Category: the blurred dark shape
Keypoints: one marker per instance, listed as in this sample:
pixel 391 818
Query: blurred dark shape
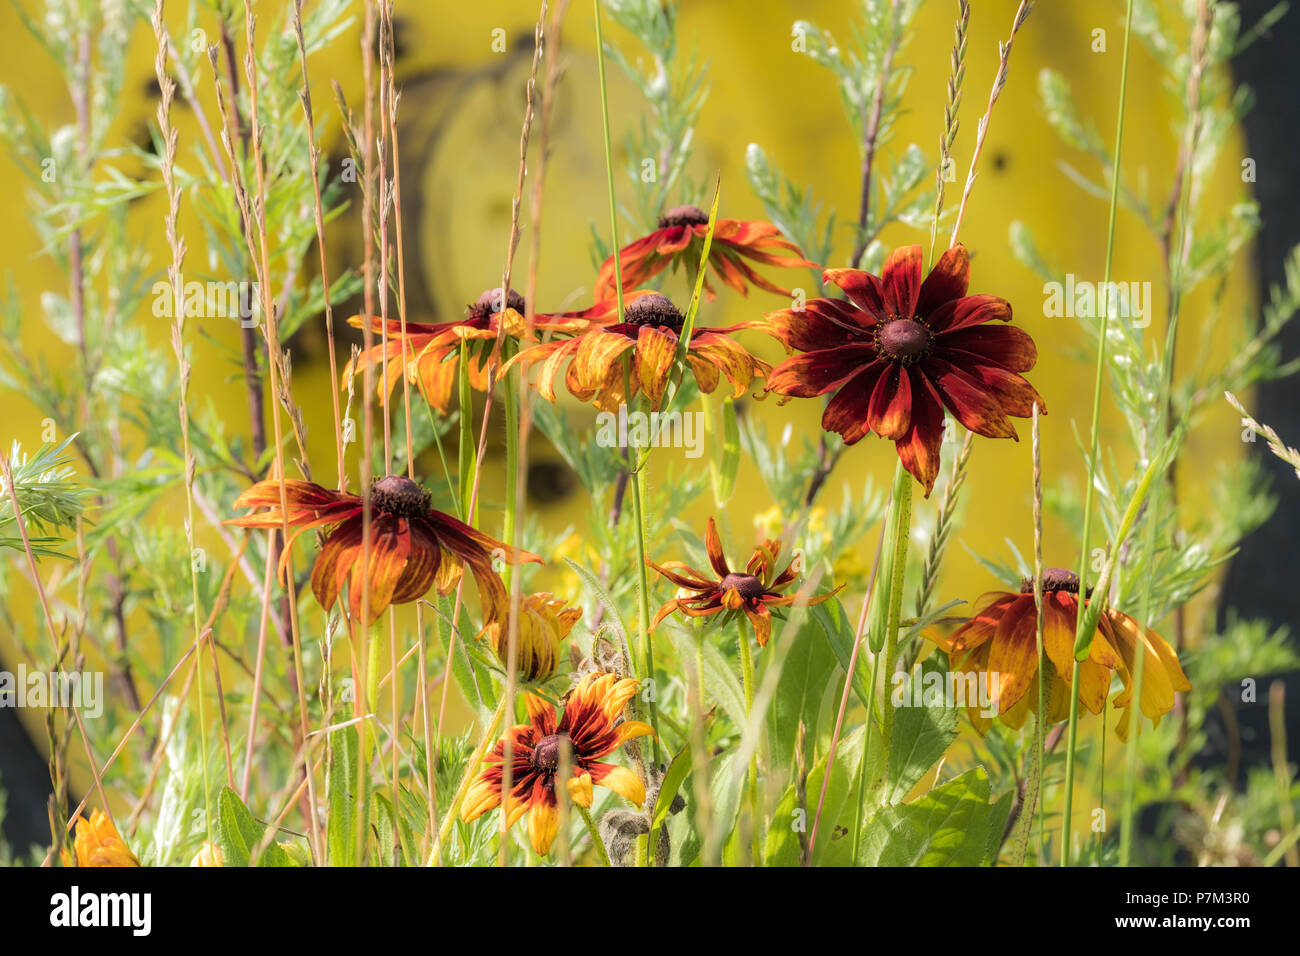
pixel 549 482
pixel 25 780
pixel 1260 582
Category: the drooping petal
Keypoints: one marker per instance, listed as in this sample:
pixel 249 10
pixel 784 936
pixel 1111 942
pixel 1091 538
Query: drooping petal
pixel 655 351
pixel 819 372
pixel 543 819
pixel 1005 345
pixel 969 403
pixel 920 449
pixel 889 412
pixel 1013 656
pixel 619 779
pixel 846 413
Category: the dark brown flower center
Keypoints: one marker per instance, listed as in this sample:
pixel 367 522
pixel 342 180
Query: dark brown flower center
pixel 748 586
pixel 399 496
pixel 546 754
pixel 683 216
pixel 1054 579
pixel 903 340
pixel 490 302
pixel 654 310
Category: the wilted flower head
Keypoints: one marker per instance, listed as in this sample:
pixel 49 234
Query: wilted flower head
pixel 1001 642
pixel 543 623
pixel 97 843
pixel 412 545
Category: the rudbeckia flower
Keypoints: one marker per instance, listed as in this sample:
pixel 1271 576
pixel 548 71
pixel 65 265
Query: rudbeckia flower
pixel 97 843
pixel 650 331
pixel 432 349
pixel 412 546
pixel 901 350
pixel 680 238
pixel 591 728
pixel 1000 642
pixel 543 623
pixel 755 591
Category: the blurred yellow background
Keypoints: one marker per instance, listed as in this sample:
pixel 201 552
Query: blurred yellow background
pixel 461 111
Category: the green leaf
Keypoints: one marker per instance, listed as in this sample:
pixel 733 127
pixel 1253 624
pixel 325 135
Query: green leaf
pixel 791 824
pixel 809 667
pixel 340 784
pixel 724 794
pixel 921 733
pixel 722 683
pixel 239 834
pixel 839 632
pixel 678 770
pixel 602 597
pixel 724 475
pixel 952 825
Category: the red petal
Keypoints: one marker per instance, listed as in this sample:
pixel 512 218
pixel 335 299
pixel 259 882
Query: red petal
pixel 1005 345
pixel 1014 394
pixel 901 281
pixel 965 312
pixel 890 410
pixel 862 287
pixel 846 413
pixel 947 280
pixel 970 403
pixel 816 373
pixel 919 450
pixel 713 544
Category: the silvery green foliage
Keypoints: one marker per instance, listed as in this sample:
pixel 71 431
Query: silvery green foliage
pixel 879 35
pixel 659 145
pixel 1162 566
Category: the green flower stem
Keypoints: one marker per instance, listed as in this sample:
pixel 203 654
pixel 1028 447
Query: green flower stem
pixel 596 841
pixel 1073 733
pixel 859 800
pixel 899 533
pixel 755 810
pixel 511 402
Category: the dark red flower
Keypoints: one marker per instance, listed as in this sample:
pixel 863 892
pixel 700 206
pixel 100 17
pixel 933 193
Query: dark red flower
pixel 900 350
pixel 680 238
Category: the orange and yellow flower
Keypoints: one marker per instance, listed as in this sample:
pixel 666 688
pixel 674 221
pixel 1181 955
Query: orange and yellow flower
pixel 901 350
pixel 97 843
pixel 680 238
pixel 543 623
pixel 755 591
pixel 412 546
pixel 1001 642
pixel 591 728
pixel 432 349
pixel 648 335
